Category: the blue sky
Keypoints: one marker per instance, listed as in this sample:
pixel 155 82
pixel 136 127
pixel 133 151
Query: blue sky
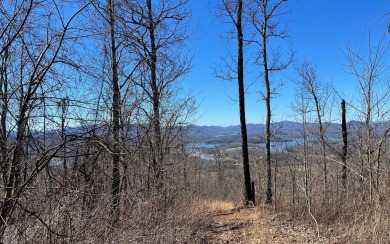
pixel 319 31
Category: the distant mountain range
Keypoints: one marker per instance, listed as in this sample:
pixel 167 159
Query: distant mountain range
pixel 283 131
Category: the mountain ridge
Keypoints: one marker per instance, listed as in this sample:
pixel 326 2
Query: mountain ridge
pixel 283 130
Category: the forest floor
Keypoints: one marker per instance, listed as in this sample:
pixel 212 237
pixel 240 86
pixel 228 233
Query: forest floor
pixel 230 224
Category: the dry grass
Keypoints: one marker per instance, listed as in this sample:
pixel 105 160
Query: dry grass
pixel 218 205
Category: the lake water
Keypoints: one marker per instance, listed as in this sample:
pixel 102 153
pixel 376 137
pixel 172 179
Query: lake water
pixel 275 145
pixel 202 145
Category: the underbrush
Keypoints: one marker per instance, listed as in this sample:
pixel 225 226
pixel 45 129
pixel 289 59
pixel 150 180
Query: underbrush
pixel 341 214
pixel 140 222
pixel 175 214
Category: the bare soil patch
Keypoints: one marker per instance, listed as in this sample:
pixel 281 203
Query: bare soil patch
pixel 231 224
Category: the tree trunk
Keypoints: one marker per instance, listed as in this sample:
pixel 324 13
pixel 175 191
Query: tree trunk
pixel 249 197
pixel 115 116
pixel 4 111
pixel 63 106
pixel 345 143
pixel 268 116
pixel 323 144
pixel 157 156
pixel 13 176
pixel 306 161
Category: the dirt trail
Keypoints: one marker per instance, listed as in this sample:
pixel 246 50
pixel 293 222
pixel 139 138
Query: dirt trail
pixel 256 225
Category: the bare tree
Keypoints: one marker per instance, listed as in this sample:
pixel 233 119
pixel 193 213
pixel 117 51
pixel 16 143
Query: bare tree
pixel 369 70
pixel 233 11
pixel 116 108
pixel 265 17
pixel 159 37
pixel 115 89
pixel 63 105
pixel 4 110
pixel 34 59
pixel 309 83
pixel 301 106
pixel 345 142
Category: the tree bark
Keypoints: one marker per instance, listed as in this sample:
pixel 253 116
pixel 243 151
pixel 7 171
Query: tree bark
pixel 345 143
pixel 268 111
pixel 4 111
pixel 323 144
pixel 249 196
pixel 115 115
pixel 13 176
pixel 157 157
pixel 265 16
